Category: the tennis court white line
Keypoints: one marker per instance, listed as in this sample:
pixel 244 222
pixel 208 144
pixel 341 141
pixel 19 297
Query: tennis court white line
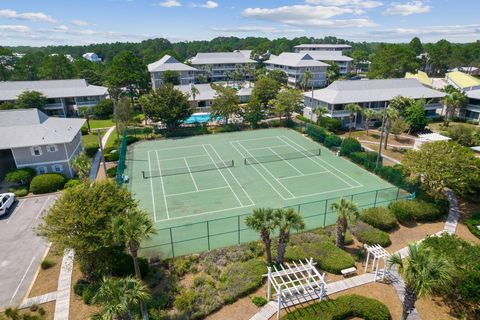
pixel 286 161
pixel 329 191
pixel 231 173
pixel 191 175
pixel 180 147
pixel 303 175
pixel 163 187
pixel 179 158
pixel 325 162
pixel 261 148
pixel 151 188
pixel 198 191
pixel 268 171
pixel 268 182
pixel 208 212
pixel 254 139
pixel 240 202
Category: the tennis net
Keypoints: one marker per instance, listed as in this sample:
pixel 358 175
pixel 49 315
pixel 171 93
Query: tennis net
pixel 189 169
pixel 281 157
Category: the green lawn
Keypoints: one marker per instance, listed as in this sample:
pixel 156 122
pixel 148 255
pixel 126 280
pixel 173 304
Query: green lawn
pixel 438 126
pixel 95 124
pixel 91 138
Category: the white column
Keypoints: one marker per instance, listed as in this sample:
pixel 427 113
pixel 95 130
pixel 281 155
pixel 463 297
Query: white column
pixel 279 307
pixel 269 288
pixel 366 262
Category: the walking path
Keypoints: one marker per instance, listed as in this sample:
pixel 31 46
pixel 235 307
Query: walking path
pixel 62 305
pixel 383 155
pixel 270 308
pixel 98 155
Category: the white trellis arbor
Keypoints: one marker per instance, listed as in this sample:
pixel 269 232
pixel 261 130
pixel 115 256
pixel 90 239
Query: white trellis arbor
pixel 379 254
pixel 296 283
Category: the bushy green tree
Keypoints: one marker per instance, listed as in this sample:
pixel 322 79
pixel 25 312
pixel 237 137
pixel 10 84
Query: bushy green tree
pixel 347 212
pixel 415 116
pixel 287 101
pixel 170 76
pixel 278 75
pixel 226 102
pixel 31 99
pixel 55 67
pixel 263 221
pixel 265 90
pixel 81 164
pixel 393 61
pixel 103 109
pixel 286 220
pixel 253 112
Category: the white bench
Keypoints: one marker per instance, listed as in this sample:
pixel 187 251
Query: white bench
pixel 348 271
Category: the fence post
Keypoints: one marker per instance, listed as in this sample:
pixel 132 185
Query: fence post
pixel 351 198
pixel 375 202
pixel 208 235
pixel 398 193
pixel 171 242
pixel 325 213
pixel 238 228
pixel 298 210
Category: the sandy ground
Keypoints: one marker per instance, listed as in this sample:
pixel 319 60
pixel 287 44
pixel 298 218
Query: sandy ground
pixel 79 310
pixel 406 234
pixel 47 280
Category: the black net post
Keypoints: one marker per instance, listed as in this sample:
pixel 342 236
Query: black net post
pixel 375 202
pixel 238 228
pixel 208 235
pixel 171 242
pixel 325 213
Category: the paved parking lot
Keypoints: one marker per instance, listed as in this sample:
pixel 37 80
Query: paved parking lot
pixel 21 250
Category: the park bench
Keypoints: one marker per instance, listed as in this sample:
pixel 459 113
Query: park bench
pixel 348 271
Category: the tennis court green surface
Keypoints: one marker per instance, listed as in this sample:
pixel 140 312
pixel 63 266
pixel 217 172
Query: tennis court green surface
pixel 199 189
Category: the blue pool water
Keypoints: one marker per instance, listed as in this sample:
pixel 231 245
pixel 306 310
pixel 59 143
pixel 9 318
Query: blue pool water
pixel 198 118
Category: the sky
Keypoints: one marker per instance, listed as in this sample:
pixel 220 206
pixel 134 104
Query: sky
pixel 59 22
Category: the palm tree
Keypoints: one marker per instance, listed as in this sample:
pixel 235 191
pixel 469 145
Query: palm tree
pixel 453 102
pixel 262 221
pixel 423 273
pixel 307 76
pixel 319 112
pixel 286 220
pixel 130 230
pixel 81 165
pixel 368 114
pixel 353 109
pixel 118 296
pixel 194 92
pixel 347 212
pixel 391 115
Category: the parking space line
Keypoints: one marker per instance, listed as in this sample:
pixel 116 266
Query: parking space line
pixel 42 208
pixel 17 208
pixel 23 278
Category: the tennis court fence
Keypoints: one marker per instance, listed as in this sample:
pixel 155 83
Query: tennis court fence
pixel 122 158
pixel 217 233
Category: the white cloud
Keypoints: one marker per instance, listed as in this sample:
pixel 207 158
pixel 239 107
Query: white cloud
pixel 15 28
pixel 170 4
pixel 81 23
pixel 210 5
pixel 257 29
pixel 30 16
pixel 365 4
pixel 309 16
pixel 406 9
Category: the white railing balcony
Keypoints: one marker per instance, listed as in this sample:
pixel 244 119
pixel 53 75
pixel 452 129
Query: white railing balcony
pixel 339 113
pixel 57 105
pixel 473 107
pixel 433 106
pixel 86 103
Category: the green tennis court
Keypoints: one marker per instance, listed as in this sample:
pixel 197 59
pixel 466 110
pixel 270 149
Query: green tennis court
pixel 199 189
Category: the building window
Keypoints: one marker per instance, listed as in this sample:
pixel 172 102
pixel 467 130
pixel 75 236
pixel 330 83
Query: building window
pixel 36 151
pixel 57 168
pixel 42 170
pixel 52 148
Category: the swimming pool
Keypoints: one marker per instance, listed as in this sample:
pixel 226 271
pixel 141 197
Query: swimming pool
pixel 201 117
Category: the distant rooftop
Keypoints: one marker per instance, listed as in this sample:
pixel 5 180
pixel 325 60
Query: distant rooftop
pixel 206 92
pixel 31 127
pixel 473 94
pixel 327 55
pixel 358 91
pixel 323 45
pixel 463 80
pixel 420 76
pixel 10 90
pixel 220 58
pixel 168 62
pixel 295 60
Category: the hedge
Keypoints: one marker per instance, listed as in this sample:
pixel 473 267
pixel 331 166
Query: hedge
pixel 367 234
pixel 395 176
pixel 330 123
pixel 415 210
pixel 380 218
pixel 48 182
pixel 350 145
pixel 22 175
pixel 72 183
pixel 329 257
pixel 111 154
pixel 90 149
pixel 343 307
pixel 473 222
pixel 368 159
pixel 112 172
pixel 316 133
pixel 19 191
pixel 332 141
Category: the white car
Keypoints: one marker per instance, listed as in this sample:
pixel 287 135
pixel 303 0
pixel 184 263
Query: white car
pixel 6 202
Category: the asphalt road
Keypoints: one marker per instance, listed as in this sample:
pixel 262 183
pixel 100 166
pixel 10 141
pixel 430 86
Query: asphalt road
pixel 21 250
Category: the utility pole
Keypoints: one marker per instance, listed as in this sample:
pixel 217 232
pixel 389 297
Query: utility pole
pixel 381 136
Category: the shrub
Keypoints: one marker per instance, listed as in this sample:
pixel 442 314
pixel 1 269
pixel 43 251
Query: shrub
pixel 129 139
pixel 367 234
pixel 316 133
pixel 19 191
pixel 396 176
pixel 89 292
pixel 48 182
pixel 72 183
pixel 350 145
pixel 84 131
pixel 380 218
pixel 472 223
pixel 23 175
pixel 259 301
pixel 90 149
pixel 416 210
pixel 47 264
pixel 103 109
pixel 332 141
pixel 239 279
pixel 80 286
pixel 368 159
pixel 344 307
pixel 328 256
pixel 111 154
pixel 331 124
pixel 112 172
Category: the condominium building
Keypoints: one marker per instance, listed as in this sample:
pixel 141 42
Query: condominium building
pixel 462 81
pixel 323 47
pixel 65 97
pixel 296 64
pixel 185 72
pixel 343 62
pixel 472 110
pixel 374 94
pixel 220 66
pixel 32 139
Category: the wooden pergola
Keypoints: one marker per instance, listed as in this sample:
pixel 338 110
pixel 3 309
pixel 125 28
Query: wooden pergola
pixel 379 254
pixel 295 283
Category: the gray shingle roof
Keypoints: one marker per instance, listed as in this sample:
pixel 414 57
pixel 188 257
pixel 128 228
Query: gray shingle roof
pixel 207 93
pixel 340 46
pixel 220 58
pixel 328 55
pixel 9 90
pixel 296 60
pixel 168 62
pixel 357 91
pixel 31 127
